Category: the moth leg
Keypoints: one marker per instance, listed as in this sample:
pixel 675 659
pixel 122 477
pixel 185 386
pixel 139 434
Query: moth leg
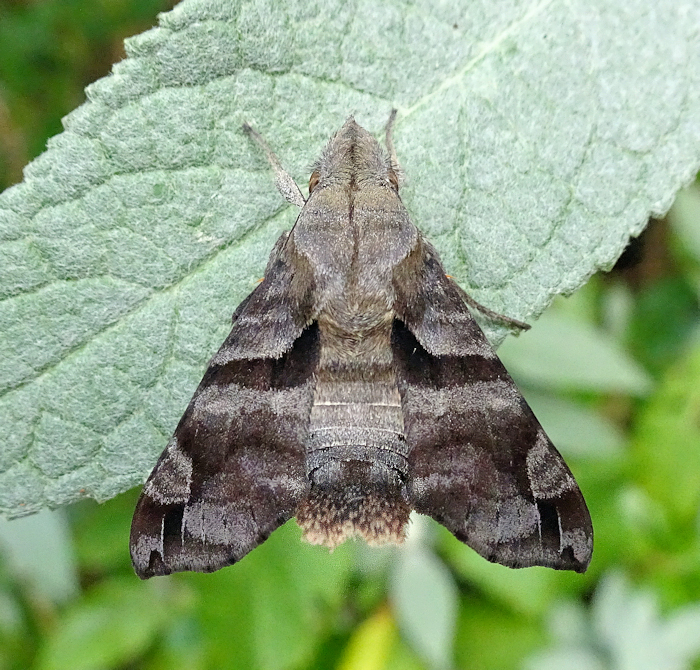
pixel 283 180
pixel 494 316
pixel 389 141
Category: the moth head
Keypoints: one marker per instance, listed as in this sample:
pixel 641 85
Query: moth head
pixel 353 157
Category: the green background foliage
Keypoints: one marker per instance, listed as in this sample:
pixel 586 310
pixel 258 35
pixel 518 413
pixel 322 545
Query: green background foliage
pixel 613 372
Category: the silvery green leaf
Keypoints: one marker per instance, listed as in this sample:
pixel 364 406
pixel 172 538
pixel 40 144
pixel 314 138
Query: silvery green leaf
pixel 536 138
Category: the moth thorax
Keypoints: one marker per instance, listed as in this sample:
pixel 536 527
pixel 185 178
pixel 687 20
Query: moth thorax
pixel 354 498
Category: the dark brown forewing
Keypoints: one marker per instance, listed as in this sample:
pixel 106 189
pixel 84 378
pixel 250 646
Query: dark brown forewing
pixel 480 463
pixel 234 470
pixel 431 305
pixel 269 320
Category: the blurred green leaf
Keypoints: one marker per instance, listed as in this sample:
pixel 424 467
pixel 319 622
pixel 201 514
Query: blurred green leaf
pixel 684 216
pixel 403 657
pixel 665 315
pixel 181 646
pixel 371 643
pixel 16 650
pixel 580 659
pixel 576 430
pixel 567 354
pixel 101 532
pixel 528 592
pixel 111 626
pixel 39 549
pixel 666 440
pixel 424 598
pixel 275 602
pixel 490 638
pixel 625 631
pixel 629 623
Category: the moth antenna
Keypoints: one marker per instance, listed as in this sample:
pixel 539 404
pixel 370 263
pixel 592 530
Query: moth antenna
pixel 389 141
pixel 283 180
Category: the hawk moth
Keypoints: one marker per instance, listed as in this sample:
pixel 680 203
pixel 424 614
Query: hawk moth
pixel 354 387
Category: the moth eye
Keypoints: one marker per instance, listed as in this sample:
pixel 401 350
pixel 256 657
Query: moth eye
pixel 393 178
pixel 313 180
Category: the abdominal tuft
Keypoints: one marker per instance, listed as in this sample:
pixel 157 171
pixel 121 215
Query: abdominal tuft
pixel 332 514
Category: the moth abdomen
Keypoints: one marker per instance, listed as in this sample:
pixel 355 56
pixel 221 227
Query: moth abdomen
pixel 356 459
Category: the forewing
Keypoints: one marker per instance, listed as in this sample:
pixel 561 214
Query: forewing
pixel 431 306
pixel 480 463
pixel 271 318
pixel 234 469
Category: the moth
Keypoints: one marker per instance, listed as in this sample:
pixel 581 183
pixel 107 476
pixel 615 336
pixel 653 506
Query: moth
pixel 354 387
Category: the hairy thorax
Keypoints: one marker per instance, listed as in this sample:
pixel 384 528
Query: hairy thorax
pixel 355 335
